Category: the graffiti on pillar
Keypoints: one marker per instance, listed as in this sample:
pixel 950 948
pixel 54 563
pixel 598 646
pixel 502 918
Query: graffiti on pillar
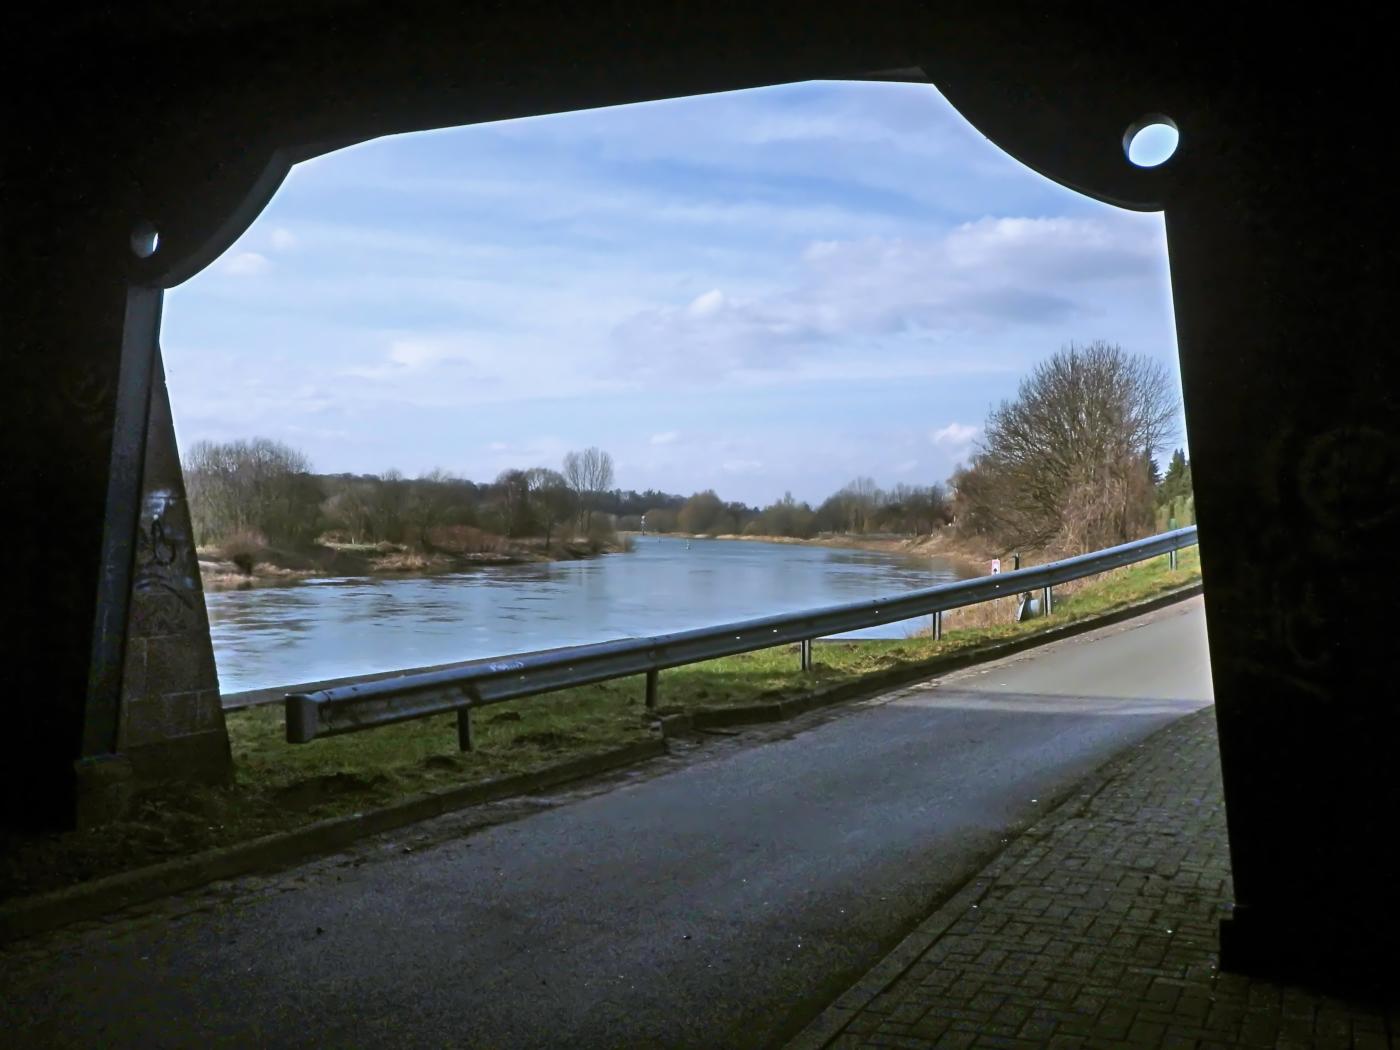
pixel 172 724
pixel 164 589
pixel 88 395
pixel 1349 480
pixel 1329 497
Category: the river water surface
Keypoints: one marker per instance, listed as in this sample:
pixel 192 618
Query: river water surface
pixel 333 628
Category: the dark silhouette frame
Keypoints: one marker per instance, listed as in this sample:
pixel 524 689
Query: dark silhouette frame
pixel 125 120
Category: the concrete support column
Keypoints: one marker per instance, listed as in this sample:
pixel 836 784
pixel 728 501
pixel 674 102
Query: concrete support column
pixel 172 724
pixel 65 319
pixel 97 533
pixel 1283 276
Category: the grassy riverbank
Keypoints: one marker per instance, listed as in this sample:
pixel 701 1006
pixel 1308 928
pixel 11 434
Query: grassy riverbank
pixel 280 786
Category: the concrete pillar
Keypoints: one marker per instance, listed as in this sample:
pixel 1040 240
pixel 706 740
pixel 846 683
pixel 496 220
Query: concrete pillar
pixel 1283 266
pixel 172 725
pixel 87 538
pixel 65 313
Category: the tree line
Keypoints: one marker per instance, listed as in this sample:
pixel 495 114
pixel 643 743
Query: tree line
pixel 858 508
pixel 267 489
pixel 1068 464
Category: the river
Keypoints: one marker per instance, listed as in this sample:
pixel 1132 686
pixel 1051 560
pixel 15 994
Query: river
pixel 332 628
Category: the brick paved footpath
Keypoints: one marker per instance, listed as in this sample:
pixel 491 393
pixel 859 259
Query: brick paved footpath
pixel 1097 928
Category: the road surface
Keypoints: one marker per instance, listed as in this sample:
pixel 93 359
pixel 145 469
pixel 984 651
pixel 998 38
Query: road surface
pixel 719 898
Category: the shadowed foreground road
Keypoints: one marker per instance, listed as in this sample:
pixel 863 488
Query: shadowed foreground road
pixel 718 903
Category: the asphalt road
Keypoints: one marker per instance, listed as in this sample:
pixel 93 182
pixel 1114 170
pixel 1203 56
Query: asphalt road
pixel 719 899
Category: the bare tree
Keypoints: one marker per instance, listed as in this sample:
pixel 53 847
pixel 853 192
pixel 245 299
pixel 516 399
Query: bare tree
pixel 701 514
pixel 552 498
pixel 863 498
pixel 392 506
pixel 1068 461
pixel 785 517
pixel 853 507
pixel 257 485
pixel 916 509
pixel 588 473
pixel 574 477
pixel 351 505
pixel 516 508
pixel 428 502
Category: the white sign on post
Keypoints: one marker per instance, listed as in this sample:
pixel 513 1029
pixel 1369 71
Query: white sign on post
pixel 996 566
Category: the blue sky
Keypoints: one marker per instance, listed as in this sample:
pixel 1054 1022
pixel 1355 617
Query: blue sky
pixel 757 291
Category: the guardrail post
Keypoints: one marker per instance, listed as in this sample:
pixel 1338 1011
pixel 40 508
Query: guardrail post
pixel 464 729
pixel 301 719
pixel 938 626
pixel 1171 560
pixel 653 682
pixel 1049 603
pixel 804 652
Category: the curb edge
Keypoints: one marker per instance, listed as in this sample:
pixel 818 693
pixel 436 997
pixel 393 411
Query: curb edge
pixel 32 915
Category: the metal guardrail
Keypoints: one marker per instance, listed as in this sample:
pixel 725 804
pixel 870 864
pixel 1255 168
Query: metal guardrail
pixel 366 705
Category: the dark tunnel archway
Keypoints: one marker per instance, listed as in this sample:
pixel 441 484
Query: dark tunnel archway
pixel 1281 257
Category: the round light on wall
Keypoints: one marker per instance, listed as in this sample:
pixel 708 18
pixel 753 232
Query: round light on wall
pixel 1151 141
pixel 145 239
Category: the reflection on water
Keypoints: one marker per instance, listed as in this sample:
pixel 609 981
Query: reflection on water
pixel 339 627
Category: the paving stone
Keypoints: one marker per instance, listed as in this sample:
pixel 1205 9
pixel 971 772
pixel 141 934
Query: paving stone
pixel 1098 928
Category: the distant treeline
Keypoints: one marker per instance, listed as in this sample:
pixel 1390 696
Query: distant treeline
pixel 264 488
pixel 859 508
pixel 1069 464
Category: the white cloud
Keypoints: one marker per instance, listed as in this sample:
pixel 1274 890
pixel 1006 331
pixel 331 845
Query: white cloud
pixel 581 202
pixel 665 438
pixel 283 239
pixel 246 264
pixel 415 354
pixel 705 305
pixel 954 435
pixel 905 467
pixel 742 466
pixel 1057 249
pixel 406 357
pixel 980 280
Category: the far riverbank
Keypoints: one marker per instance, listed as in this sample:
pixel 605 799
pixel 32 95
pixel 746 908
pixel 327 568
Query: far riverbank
pixel 943 544
pixel 273 566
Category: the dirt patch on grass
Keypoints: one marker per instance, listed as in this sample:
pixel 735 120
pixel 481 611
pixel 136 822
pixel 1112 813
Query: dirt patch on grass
pixel 548 740
pixel 306 794
pixel 451 762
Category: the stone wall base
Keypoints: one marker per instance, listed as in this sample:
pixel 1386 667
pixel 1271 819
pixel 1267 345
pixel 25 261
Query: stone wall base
pixel 103 789
pixel 200 758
